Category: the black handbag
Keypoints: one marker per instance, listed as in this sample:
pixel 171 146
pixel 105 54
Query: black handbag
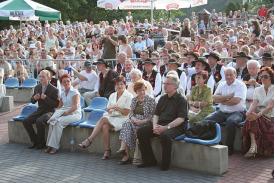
pixel 204 131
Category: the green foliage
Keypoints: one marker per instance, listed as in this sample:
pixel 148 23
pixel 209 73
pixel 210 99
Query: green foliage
pixel 87 9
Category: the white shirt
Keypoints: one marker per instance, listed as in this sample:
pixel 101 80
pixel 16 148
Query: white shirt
pixel 139 46
pixel 239 90
pixel 264 99
pixel 149 43
pixel 157 88
pixel 92 82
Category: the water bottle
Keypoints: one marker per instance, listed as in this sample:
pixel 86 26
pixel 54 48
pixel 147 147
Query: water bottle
pixel 72 144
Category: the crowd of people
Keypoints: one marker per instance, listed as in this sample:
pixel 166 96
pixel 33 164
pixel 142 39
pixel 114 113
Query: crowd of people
pixel 159 79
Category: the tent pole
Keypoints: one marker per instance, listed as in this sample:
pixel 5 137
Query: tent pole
pixel 152 12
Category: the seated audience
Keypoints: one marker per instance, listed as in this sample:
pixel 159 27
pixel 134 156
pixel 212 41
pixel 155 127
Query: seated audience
pixel 268 60
pixel 230 95
pixel 169 121
pixel 136 76
pixel 200 100
pixel 68 111
pixel 258 131
pixel 47 97
pixel 151 75
pixel 251 80
pixel 117 113
pixel 128 68
pixel 87 80
pixel 106 84
pixel 142 110
pixel 20 72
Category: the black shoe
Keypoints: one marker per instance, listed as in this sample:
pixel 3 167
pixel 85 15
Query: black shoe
pixel 33 146
pixel 164 168
pixel 38 147
pixel 145 165
pixel 128 161
pixel 230 152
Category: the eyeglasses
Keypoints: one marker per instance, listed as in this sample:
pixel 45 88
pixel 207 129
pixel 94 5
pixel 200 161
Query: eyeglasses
pixel 167 83
pixel 264 77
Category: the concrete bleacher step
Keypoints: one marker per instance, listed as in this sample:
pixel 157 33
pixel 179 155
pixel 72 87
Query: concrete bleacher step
pixel 207 159
pixel 7 104
pixel 20 94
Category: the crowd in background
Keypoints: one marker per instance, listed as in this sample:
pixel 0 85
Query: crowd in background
pixel 223 59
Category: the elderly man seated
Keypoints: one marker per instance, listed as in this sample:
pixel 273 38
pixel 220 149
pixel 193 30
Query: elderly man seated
pixel 230 95
pixel 169 121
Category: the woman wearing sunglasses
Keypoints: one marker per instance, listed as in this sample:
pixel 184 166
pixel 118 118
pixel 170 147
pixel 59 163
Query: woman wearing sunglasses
pixel 259 126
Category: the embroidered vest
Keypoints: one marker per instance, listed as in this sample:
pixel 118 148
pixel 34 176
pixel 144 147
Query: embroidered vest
pixel 152 77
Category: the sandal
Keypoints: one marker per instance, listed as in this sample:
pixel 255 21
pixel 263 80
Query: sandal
pixel 85 144
pixel 107 154
pixel 48 150
pixel 53 151
pixel 251 152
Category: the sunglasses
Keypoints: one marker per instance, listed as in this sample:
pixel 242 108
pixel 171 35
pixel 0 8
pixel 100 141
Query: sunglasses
pixel 264 77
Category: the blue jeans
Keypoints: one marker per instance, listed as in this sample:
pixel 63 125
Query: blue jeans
pixel 231 120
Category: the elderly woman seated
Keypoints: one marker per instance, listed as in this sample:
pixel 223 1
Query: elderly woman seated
pixel 136 76
pixel 200 100
pixel 258 131
pixel 118 109
pixel 251 80
pixel 69 110
pixel 142 111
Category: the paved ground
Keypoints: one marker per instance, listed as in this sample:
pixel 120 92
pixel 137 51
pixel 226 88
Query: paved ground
pixel 19 164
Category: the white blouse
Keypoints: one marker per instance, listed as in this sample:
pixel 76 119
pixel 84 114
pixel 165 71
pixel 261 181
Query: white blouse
pixel 264 98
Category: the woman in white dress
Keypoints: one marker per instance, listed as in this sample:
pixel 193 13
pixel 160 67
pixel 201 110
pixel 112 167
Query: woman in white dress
pixel 118 109
pixel 69 111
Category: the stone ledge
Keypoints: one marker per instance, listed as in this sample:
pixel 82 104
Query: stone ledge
pixel 20 94
pixel 207 159
pixel 7 104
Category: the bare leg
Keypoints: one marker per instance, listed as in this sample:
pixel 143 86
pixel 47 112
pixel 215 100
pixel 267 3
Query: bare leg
pixel 253 147
pixel 126 155
pixel 252 138
pixel 106 135
pixel 98 128
pixel 87 142
pixel 122 146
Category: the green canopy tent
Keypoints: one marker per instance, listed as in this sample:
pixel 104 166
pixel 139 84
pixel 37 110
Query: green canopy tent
pixel 23 10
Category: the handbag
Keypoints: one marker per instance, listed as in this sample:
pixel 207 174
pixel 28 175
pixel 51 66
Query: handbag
pixel 204 131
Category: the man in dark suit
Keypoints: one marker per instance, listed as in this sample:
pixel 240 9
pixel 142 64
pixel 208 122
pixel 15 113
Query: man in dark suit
pixel 47 97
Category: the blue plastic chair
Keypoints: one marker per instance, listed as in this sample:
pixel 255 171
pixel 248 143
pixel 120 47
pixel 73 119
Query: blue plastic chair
pixel 216 140
pixel 26 112
pixel 12 83
pixel 76 123
pixel 29 83
pixel 97 103
pixel 82 102
pixel 93 118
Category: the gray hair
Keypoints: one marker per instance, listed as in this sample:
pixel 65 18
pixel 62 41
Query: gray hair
pixel 230 69
pixel 173 75
pixel 137 72
pixel 253 62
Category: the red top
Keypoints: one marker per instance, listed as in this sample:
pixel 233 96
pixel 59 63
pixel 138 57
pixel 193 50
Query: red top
pixel 262 12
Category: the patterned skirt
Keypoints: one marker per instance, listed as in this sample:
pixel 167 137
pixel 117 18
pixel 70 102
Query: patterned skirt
pixel 128 133
pixel 263 129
